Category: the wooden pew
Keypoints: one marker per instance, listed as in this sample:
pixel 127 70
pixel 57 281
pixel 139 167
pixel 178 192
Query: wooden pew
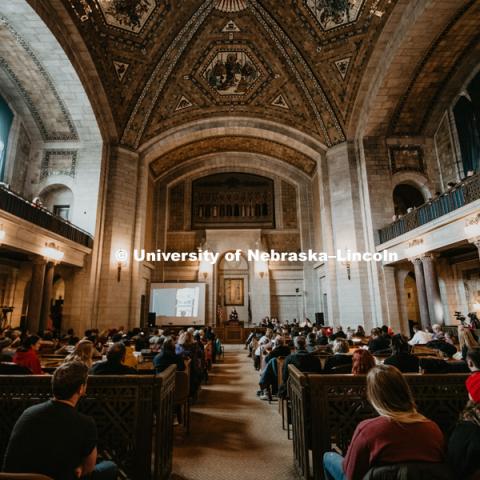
pixel 133 414
pixel 327 408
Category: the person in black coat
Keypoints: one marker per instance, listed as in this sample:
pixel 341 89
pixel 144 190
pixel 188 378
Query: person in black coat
pixel 113 365
pixel 401 356
pixel 378 342
pixel 340 356
pixel 167 357
pixel 303 360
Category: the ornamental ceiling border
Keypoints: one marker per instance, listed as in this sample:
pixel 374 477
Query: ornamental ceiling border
pixel 135 128
pixel 242 144
pixel 262 15
pixel 133 133
pixel 50 137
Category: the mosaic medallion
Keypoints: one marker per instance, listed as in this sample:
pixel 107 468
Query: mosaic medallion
pixel 328 21
pixel 130 15
pixel 231 73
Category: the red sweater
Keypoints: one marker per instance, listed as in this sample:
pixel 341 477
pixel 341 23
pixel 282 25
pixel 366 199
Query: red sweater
pixel 380 441
pixel 30 360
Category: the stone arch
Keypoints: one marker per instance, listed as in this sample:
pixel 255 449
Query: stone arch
pixel 415 179
pixel 308 149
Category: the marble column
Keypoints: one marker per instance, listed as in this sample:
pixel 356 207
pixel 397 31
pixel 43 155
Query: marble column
pixel 421 293
pixel 36 295
pixel 47 295
pixel 435 307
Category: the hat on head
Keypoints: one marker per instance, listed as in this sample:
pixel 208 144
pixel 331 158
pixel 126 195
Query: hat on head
pixel 473 386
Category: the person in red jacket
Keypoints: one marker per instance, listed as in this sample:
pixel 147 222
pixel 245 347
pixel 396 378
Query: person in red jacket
pixel 398 435
pixel 26 355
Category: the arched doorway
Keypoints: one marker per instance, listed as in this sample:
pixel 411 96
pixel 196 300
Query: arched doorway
pixel 406 196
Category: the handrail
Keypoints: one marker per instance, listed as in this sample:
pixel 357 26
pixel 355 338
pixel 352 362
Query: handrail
pixel 462 194
pixel 13 203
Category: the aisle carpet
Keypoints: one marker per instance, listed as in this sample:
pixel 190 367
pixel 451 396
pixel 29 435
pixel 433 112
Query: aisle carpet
pixel 234 435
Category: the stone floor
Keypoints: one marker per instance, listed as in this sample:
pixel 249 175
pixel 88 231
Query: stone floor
pixel 234 435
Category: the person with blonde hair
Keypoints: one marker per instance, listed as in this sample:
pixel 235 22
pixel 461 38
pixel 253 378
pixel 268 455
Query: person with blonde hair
pixel 83 353
pixel 398 435
pixel 466 340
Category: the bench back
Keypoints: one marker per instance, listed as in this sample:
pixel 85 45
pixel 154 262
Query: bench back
pixel 128 411
pixel 326 409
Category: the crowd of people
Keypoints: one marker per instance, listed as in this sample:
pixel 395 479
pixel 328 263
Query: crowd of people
pixel 383 357
pixel 40 430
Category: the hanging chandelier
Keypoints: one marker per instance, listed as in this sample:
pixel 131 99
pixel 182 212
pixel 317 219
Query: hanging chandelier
pixel 335 10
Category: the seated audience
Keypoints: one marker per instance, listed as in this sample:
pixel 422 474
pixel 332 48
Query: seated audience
pixel 113 365
pixel 167 357
pixel 464 442
pixel 437 332
pixel 53 439
pixel 26 355
pixel 312 342
pixel 360 333
pixel 302 359
pixel 83 352
pixel 338 334
pixel 401 356
pixel 280 349
pixel 322 339
pixel 340 356
pixel 420 337
pixel 362 362
pixel 378 341
pixel 398 435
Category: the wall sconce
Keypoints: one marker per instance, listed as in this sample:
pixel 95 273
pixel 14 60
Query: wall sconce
pixel 415 249
pixel 261 268
pixel 472 228
pixel 348 266
pixel 204 270
pixel 51 253
pixel 121 256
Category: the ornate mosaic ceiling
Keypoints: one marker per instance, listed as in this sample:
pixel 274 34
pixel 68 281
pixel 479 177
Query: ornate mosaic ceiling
pixel 166 62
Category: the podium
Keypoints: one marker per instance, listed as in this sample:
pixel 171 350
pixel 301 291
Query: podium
pixel 233 332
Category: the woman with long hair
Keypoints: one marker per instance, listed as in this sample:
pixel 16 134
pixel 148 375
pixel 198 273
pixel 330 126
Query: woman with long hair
pixel 83 352
pixel 398 435
pixel 466 340
pixel 362 362
pixel 26 355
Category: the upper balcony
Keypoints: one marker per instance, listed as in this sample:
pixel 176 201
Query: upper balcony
pixel 16 205
pixel 462 194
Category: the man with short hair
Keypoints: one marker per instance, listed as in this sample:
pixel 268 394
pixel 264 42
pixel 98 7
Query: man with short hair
pixel 113 365
pixel 420 336
pixel 53 438
pixel 302 359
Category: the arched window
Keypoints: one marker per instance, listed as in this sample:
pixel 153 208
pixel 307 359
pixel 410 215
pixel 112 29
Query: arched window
pixel 406 196
pixel 6 118
pixel 467 119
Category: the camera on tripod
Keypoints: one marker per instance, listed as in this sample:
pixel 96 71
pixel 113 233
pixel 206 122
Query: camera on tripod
pixel 460 318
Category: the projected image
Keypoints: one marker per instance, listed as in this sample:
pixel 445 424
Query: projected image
pixel 172 303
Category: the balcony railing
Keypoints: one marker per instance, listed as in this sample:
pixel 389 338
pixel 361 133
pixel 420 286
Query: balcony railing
pixel 462 194
pixel 12 203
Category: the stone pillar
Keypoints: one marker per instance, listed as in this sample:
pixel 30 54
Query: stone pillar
pixel 422 293
pixel 36 294
pixel 47 295
pixel 117 299
pixel 390 286
pixel 435 307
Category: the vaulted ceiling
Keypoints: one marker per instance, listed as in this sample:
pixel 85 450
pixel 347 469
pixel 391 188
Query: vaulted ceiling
pixel 166 62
